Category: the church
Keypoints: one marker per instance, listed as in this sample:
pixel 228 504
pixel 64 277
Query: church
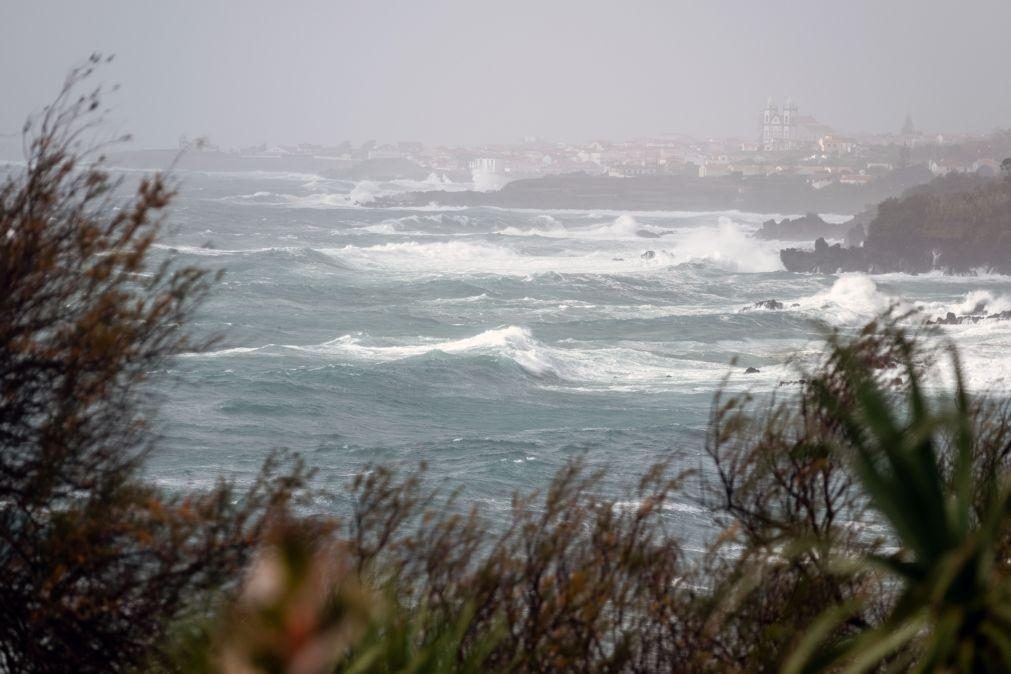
pixel 784 129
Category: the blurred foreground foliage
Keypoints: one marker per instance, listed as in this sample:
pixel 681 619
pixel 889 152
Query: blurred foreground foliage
pixel 859 523
pixel 94 560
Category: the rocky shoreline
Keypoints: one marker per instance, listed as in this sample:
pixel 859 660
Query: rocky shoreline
pixel 956 224
pixel 806 228
pixel 980 313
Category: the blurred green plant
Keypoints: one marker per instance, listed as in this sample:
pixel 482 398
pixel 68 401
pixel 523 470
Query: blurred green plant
pixel 916 465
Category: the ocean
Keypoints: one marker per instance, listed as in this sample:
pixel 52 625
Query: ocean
pixel 493 344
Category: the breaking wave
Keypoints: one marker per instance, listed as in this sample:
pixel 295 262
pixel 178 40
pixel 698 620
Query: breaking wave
pixel 982 301
pixel 613 368
pixel 726 246
pixel 623 227
pixel 853 297
pixel 297 253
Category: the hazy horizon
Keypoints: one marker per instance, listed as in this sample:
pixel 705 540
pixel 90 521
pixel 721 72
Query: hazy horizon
pixel 457 72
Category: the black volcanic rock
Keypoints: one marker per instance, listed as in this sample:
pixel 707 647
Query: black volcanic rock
pixel 806 228
pixel 957 224
pixel 767 304
pixel 824 259
pixel 855 235
pixel 952 319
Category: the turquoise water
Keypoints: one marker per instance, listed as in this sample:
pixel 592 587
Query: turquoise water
pixel 493 344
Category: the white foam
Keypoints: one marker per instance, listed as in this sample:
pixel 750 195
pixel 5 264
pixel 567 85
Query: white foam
pixel 573 367
pixel 751 218
pixel 614 368
pixel 852 298
pixel 728 246
pixel 983 348
pixel 544 225
pixel 604 248
pixel 512 341
pixel 623 227
pixel 323 193
pixel 363 193
pixel 984 299
pixel 413 225
pixel 465 257
pixel 939 275
pixel 234 351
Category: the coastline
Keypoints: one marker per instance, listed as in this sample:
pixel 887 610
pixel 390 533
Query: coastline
pixel 758 194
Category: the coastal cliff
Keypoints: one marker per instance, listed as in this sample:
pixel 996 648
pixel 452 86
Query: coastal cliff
pixel 957 224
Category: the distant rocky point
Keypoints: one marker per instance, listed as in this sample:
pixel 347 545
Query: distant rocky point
pixel 957 224
pixel 757 194
pixel 806 228
pixel 826 259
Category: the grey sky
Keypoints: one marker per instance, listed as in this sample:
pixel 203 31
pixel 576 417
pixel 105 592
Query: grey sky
pixel 246 71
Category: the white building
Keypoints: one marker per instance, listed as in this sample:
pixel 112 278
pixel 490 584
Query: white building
pixel 787 130
pixel 778 126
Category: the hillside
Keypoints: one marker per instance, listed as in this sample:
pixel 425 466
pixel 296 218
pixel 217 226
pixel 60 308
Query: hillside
pixel 957 223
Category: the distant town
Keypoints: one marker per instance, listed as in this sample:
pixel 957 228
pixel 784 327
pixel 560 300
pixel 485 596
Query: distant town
pixel 786 142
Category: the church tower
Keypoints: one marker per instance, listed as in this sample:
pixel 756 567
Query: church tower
pixel 907 128
pixel 770 121
pixel 789 115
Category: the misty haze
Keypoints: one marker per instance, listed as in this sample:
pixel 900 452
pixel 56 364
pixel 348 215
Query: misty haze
pixel 665 294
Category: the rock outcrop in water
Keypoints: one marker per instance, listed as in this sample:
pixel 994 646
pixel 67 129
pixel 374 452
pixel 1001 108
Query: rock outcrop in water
pixel 806 228
pixel 952 319
pixel 767 304
pixel 825 259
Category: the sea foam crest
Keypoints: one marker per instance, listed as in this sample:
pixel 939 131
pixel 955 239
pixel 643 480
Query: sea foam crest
pixel 572 365
pixel 622 227
pixel 853 297
pixel 511 341
pixel 978 301
pixel 727 246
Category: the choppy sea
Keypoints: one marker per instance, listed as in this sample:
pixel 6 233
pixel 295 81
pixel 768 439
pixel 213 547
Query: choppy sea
pixel 493 344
